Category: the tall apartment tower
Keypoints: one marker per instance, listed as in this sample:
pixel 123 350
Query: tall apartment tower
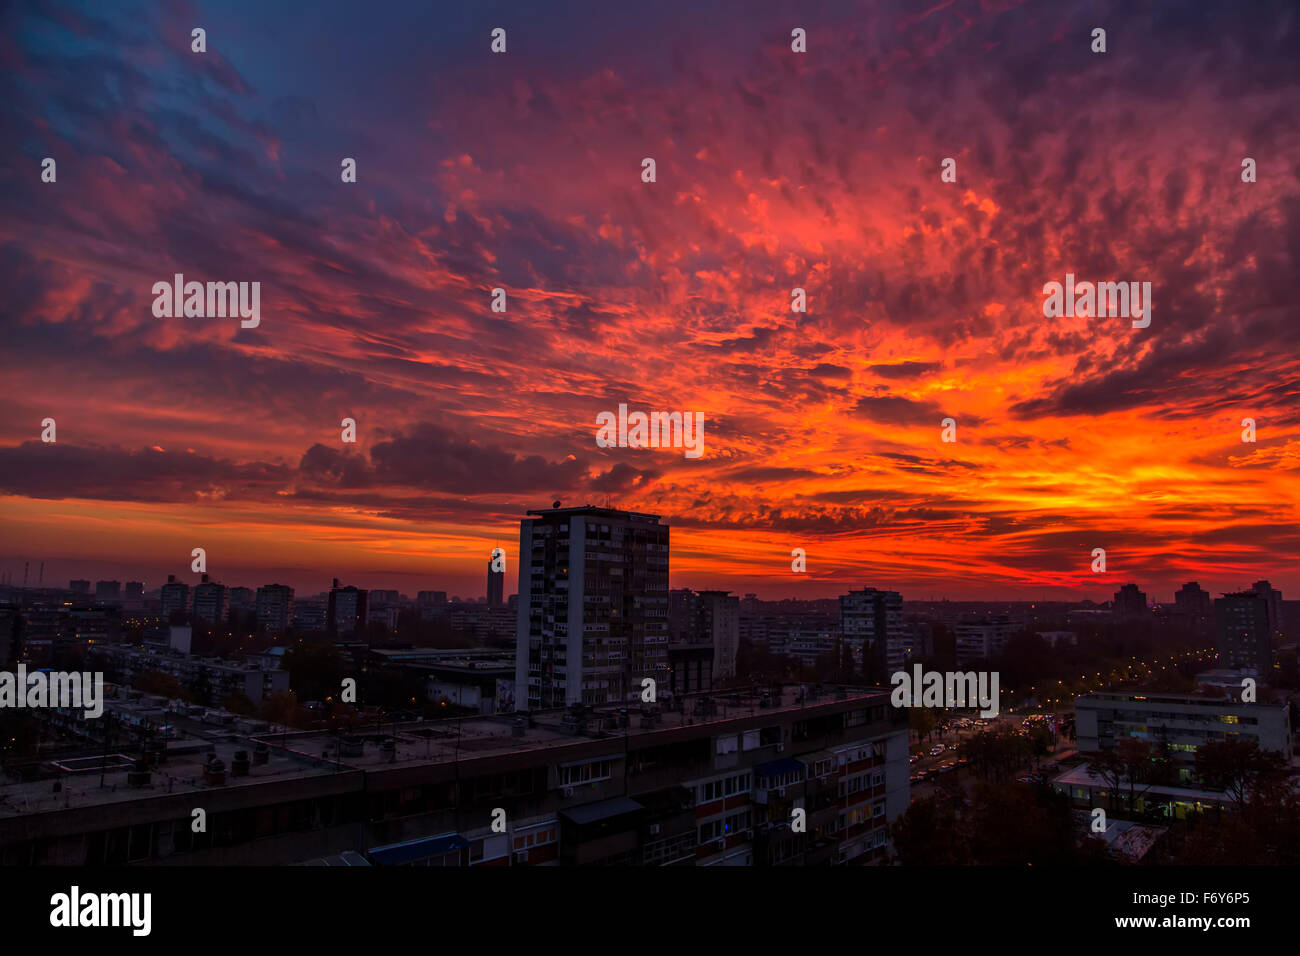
pixel 1129 601
pixel 982 638
pixel 592 617
pixel 1245 638
pixel 209 602
pixel 706 618
pixel 1273 598
pixel 175 597
pixel 274 609
pixel 496 586
pixel 872 624
pixel 346 611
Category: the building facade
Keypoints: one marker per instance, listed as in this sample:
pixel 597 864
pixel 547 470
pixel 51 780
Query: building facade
pixel 592 619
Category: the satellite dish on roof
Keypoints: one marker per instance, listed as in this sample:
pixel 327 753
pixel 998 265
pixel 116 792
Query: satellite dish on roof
pixel 555 504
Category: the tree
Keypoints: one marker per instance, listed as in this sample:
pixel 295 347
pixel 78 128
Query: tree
pixel 927 834
pixel 1234 766
pixel 1127 762
pixel 237 702
pixel 921 720
pixel 1110 768
pixel 156 682
pixel 316 670
pixel 1135 759
pixel 1041 740
pixel 280 708
pixel 200 689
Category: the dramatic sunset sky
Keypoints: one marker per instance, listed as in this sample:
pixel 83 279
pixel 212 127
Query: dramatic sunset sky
pixel 775 170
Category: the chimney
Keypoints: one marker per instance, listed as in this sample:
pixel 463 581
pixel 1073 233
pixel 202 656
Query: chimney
pixel 171 579
pixel 336 582
pixel 205 579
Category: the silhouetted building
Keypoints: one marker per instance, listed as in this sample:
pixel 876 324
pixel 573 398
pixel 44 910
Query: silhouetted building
pixel 274 609
pixel 1273 599
pixel 701 618
pixel 982 638
pixel 593 606
pixel 346 613
pixel 80 586
pixel 1130 602
pixel 873 627
pixel 1245 638
pixel 175 597
pixel 108 591
pixel 496 583
pixel 1193 605
pixel 209 602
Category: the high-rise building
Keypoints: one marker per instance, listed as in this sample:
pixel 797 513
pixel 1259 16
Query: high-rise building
pixel 175 597
pixel 310 614
pixel 80 586
pixel 982 638
pixel 109 592
pixel 873 627
pixel 593 606
pixel 1194 609
pixel 1193 600
pixel 1245 638
pixel 242 599
pixel 1273 598
pixel 346 613
pixel 496 585
pixel 1129 602
pixel 209 602
pixel 707 618
pixel 274 608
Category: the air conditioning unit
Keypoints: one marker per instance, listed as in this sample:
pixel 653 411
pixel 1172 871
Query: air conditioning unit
pixel 568 791
pixel 655 829
pixel 780 791
pixel 720 844
pixel 521 856
pixel 780 748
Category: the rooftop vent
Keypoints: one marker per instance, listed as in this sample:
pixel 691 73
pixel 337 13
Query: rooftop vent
pixel 214 771
pixel 138 776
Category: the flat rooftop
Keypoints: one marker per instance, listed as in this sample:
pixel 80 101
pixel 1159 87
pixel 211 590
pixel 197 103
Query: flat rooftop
pixel 446 741
pixel 182 773
pixel 312 754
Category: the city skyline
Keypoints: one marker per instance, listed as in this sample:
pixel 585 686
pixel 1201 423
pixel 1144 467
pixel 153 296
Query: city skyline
pixel 309 583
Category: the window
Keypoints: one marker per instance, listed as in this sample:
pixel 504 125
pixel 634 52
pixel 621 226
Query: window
pixel 535 838
pixel 585 773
